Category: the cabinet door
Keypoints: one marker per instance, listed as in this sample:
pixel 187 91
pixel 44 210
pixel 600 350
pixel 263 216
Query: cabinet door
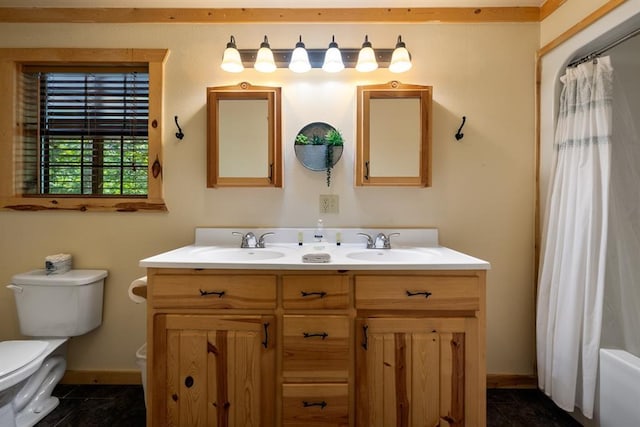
pixel 214 370
pixel 412 372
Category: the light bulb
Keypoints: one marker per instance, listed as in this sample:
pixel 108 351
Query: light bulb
pixel 264 60
pixel 299 59
pixel 333 58
pixel 400 59
pixel 366 57
pixel 231 61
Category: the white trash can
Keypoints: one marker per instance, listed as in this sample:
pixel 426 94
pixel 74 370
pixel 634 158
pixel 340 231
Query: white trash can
pixel 141 360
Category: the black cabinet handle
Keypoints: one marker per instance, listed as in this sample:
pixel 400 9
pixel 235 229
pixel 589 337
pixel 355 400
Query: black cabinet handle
pixel 265 343
pixel 366 173
pixel 309 335
pixel 414 294
pixel 306 404
pixel 205 293
pixel 365 337
pixel 321 294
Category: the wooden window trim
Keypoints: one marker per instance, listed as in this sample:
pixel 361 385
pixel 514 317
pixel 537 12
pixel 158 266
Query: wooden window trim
pixel 11 61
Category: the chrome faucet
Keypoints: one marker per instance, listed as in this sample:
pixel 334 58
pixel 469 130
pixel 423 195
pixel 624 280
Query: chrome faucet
pixel 381 241
pixel 260 243
pixel 370 244
pixel 249 240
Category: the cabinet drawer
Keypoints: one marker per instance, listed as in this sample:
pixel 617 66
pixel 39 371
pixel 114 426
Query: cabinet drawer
pixel 315 292
pixel 315 405
pixel 316 347
pixel 219 292
pixel 417 292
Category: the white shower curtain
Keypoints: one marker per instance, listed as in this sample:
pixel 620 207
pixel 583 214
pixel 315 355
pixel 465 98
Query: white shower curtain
pixel 572 269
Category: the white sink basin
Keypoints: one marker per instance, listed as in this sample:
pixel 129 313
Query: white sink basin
pixel 391 255
pixel 236 254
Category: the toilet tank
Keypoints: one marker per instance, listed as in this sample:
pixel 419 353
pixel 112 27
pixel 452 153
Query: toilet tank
pixel 59 305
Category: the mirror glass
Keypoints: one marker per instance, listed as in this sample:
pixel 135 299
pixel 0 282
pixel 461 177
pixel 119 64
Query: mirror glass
pixel 394 135
pixel 244 136
pixel 397 139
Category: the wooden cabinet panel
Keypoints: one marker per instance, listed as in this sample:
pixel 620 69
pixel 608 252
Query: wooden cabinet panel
pixel 413 372
pixel 218 371
pixel 414 357
pixel 315 405
pixel 311 292
pixel 417 292
pixel 216 292
pixel 316 347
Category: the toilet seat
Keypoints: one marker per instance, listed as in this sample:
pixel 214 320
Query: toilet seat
pixel 19 359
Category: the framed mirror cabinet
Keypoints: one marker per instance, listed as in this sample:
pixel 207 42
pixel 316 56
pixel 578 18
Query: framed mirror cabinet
pixel 244 136
pixel 393 136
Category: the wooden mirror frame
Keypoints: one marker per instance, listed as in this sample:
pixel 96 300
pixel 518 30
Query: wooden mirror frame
pixel 392 89
pixel 244 91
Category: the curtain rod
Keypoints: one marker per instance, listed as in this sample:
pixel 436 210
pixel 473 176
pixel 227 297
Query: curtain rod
pixel 608 47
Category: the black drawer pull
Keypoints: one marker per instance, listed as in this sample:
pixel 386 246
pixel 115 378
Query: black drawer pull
pixel 413 294
pixel 321 294
pixel 308 335
pixel 205 293
pixel 306 404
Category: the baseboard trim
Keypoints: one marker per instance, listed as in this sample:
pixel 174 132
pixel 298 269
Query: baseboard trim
pixel 102 377
pixel 511 381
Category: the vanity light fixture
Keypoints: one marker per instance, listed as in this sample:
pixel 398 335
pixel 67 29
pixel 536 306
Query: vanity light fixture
pixel 264 61
pixel 333 58
pixel 231 60
pixel 299 59
pixel 401 59
pixel 366 57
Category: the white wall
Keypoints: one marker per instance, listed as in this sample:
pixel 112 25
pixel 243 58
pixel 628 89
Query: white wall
pixel 568 14
pixel 481 198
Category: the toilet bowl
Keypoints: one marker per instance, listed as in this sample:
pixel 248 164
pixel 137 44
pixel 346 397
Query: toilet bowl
pixel 29 371
pixel 51 308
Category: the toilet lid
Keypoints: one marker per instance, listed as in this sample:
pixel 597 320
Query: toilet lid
pixel 16 354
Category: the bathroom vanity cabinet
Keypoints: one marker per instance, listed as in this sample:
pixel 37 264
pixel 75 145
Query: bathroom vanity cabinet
pixel 419 360
pixel 214 361
pixel 316 347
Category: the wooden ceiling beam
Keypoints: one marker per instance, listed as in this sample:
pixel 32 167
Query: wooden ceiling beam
pixel 267 15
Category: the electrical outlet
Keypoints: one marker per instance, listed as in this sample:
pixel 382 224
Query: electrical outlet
pixel 329 204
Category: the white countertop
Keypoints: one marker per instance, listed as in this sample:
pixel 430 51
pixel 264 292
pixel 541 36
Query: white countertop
pixel 350 255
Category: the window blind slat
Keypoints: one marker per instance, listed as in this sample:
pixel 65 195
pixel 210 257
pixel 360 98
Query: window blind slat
pixel 91 133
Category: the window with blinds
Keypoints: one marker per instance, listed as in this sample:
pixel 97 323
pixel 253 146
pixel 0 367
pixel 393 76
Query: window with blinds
pixel 84 131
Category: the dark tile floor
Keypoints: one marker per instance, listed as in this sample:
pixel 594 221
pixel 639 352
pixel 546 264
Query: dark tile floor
pixel 524 408
pixel 123 406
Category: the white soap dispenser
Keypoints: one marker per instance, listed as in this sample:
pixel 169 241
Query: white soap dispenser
pixel 318 234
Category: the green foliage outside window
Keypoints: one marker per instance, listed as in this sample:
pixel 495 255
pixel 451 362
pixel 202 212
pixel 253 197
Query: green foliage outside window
pixel 91 129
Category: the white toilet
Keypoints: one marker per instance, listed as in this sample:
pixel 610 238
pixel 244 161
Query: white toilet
pixel 51 308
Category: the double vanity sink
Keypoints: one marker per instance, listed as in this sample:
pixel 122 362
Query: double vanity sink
pixel 290 256
pixel 255 336
pixel 219 248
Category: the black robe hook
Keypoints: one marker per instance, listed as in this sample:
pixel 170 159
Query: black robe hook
pixel 179 134
pixel 459 135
